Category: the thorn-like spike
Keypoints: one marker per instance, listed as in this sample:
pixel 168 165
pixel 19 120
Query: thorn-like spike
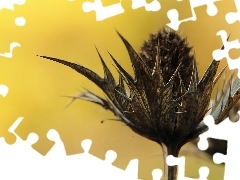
pixel 216 96
pixel 136 60
pixel 121 71
pixel 196 69
pixel 171 80
pixel 157 61
pixel 218 76
pixel 123 95
pixel 111 119
pixel 182 85
pixel 229 94
pixel 107 73
pixel 80 69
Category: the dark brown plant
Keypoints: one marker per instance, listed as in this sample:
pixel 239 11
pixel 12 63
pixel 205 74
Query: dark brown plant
pixel 167 101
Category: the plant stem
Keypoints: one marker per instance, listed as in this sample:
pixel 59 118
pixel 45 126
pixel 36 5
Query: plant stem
pixel 170 172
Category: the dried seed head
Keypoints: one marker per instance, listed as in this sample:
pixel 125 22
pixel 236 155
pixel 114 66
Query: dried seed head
pixel 167 100
pixel 171 50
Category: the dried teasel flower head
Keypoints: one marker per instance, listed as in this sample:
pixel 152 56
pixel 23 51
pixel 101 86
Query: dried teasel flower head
pixel 167 101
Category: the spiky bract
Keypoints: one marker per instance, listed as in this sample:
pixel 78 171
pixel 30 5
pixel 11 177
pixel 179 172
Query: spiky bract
pixel 167 101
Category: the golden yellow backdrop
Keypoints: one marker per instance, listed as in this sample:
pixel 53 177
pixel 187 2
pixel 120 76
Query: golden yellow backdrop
pixel 62 29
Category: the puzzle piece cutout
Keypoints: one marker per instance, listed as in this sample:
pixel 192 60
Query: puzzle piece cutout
pixel 56 164
pixel 219 54
pixel 10 53
pixel 226 130
pixel 104 12
pixel 21 159
pixel 13 156
pixel 173 14
pixel 9 4
pixel 107 171
pixel 19 21
pixel 157 174
pixel 152 6
pixel 232 17
pixel 3 90
pixel 180 162
pixel 101 11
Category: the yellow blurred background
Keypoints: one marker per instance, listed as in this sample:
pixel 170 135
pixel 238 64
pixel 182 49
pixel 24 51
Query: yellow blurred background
pixel 62 29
